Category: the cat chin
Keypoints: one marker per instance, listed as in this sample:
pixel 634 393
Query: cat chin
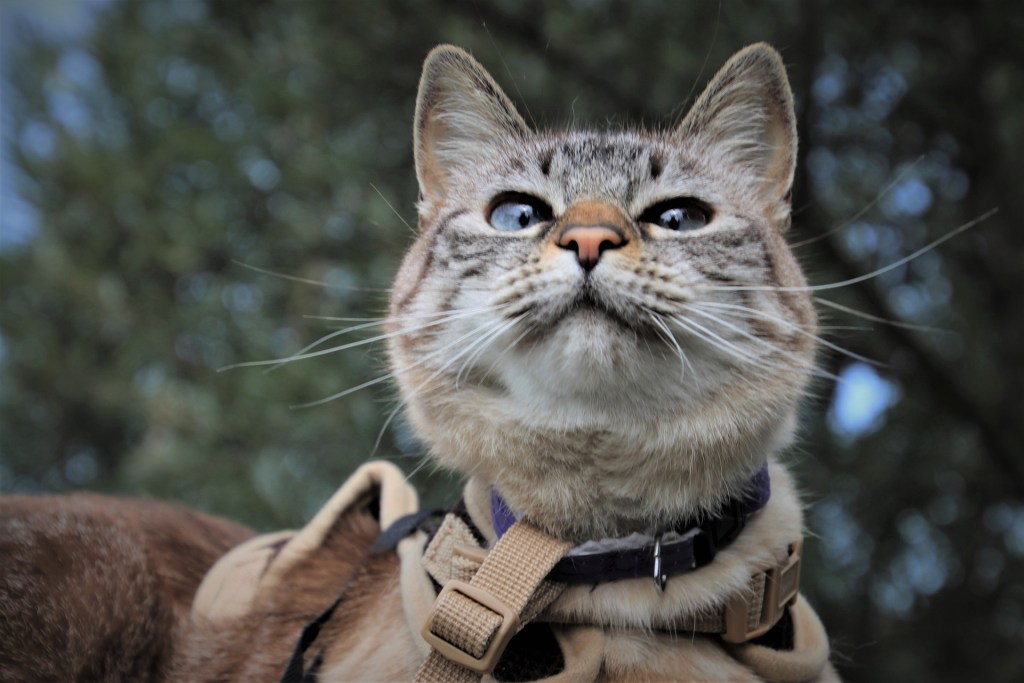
pixel 590 368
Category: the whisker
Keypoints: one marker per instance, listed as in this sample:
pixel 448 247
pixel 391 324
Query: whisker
pixel 454 359
pixel 689 326
pixel 877 319
pixel 383 378
pixel 306 281
pixel 346 392
pixel 469 352
pixel 867 276
pixel 723 343
pixel 341 319
pixel 306 352
pixel 845 328
pixel 867 207
pixel 470 348
pixel 373 322
pixel 488 337
pixel 529 328
pixel 384 427
pixel 673 343
pixel 385 318
pixel 512 344
pixel 393 209
pixel 791 326
pixel 426 462
pixel 797 360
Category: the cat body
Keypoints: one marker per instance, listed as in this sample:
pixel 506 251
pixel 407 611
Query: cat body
pixel 606 330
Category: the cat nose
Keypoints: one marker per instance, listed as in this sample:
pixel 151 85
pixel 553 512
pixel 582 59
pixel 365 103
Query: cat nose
pixel 590 241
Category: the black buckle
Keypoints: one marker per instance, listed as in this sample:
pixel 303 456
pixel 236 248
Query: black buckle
pixel 716 533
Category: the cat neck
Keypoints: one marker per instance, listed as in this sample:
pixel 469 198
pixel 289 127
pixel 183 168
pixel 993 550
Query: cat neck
pixel 636 603
pixel 588 513
pixel 608 486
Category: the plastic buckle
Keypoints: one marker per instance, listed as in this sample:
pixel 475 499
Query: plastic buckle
pixel 721 531
pixel 782 586
pixel 484 664
pixel 704 549
pixel 729 525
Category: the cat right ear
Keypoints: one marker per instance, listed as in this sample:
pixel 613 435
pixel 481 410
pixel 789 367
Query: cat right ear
pixel 460 114
pixel 745 119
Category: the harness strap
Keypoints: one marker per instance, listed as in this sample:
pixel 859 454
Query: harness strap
pixel 296 671
pixel 472 622
pixel 400 528
pixel 690 544
pixel 454 555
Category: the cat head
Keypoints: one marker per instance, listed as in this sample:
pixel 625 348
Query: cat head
pixel 603 321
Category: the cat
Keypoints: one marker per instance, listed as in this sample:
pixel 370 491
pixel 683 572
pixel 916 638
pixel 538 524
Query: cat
pixel 638 388
pixel 607 333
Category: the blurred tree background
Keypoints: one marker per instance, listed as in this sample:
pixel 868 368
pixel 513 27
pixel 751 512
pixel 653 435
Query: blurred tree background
pixel 188 185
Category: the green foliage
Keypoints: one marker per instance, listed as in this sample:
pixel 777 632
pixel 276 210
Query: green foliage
pixel 179 150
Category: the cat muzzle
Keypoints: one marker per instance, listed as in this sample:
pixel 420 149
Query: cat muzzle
pixel 589 242
pixel 590 228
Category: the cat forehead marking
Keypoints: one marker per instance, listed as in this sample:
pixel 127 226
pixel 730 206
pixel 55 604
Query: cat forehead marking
pixel 603 165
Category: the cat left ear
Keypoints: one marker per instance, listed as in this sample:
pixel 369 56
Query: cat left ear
pixel 460 114
pixel 745 118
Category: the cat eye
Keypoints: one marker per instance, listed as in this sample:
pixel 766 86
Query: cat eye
pixel 681 213
pixel 517 211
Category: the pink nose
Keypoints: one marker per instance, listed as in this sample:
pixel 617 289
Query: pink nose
pixel 589 242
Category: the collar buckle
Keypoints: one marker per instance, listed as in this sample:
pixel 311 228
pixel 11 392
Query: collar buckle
pixel 782 587
pixel 660 577
pixel 717 532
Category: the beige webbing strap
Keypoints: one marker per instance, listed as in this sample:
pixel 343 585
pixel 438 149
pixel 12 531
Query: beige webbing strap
pixel 472 623
pixel 719 620
pixel 751 613
pixel 747 614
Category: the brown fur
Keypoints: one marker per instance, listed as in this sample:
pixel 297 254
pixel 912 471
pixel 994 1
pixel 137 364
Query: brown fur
pixel 256 646
pixel 98 589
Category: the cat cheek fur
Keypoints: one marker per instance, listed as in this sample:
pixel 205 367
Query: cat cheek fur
pixel 663 393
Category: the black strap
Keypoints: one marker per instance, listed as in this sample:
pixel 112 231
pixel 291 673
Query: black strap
pixel 674 557
pixel 295 671
pixel 702 536
pixel 400 528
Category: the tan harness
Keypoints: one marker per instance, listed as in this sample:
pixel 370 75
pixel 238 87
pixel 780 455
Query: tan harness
pixel 487 597
pixel 472 621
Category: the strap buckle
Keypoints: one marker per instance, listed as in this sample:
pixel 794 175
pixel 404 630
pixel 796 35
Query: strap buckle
pixel 717 533
pixel 782 586
pixel 494 648
pixel 660 578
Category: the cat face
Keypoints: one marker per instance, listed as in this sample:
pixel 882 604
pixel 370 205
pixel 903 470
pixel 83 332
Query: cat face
pixel 603 287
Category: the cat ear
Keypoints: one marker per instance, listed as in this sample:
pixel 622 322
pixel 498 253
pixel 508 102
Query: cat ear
pixel 745 117
pixel 460 113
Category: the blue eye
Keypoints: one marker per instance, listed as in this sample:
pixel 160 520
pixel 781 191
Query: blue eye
pixel 677 214
pixel 517 212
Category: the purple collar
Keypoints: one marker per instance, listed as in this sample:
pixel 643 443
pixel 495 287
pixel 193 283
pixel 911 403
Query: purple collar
pixel 689 545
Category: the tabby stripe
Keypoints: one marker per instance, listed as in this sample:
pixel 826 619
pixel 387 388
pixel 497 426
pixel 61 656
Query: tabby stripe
pixel 428 262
